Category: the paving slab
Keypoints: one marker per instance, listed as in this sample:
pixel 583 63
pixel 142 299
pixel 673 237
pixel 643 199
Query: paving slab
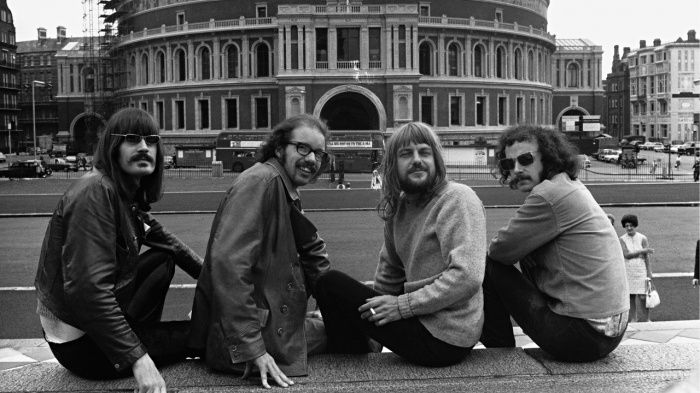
pixel 628 358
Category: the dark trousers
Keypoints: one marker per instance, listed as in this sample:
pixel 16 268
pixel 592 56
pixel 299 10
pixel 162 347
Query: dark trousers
pixel 508 293
pixel 165 341
pixel 339 296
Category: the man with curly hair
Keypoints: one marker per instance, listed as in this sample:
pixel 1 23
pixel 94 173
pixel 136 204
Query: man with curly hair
pixel 571 296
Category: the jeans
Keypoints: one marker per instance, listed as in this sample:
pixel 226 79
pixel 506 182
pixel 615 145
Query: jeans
pixel 165 341
pixel 339 297
pixel 508 293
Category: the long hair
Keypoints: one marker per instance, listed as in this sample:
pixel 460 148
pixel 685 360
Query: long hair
pixel 417 133
pixel 558 154
pixel 106 159
pixel 280 136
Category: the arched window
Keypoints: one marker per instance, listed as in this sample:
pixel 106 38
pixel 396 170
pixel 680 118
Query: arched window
pixel 540 68
pixel 425 59
pixel 144 69
pixel 295 107
pixel 518 64
pixel 132 72
pixel 160 67
pixel 205 63
pixel 262 60
pixel 530 66
pixel 572 75
pixel 180 65
pixel 453 59
pixel 479 61
pixel 500 62
pixel 232 63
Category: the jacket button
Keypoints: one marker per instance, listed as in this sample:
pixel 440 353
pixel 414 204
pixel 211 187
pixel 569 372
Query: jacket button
pixel 290 286
pixel 116 365
pixel 280 331
pixel 284 309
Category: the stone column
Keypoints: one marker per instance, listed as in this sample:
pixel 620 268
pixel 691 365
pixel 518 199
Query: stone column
pixel 414 42
pixel 468 57
pixel 386 53
pixel 332 48
pixel 287 45
pixel 441 54
pixel 216 54
pixel 395 45
pixel 168 64
pixel 245 57
pixel 301 37
pixel 190 60
pixel 310 39
pixel 364 47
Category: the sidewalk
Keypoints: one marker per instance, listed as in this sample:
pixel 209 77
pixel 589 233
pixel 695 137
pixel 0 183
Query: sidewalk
pixel 652 357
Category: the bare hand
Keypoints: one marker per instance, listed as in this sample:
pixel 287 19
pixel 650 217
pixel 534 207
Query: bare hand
pixel 266 364
pixel 147 376
pixel 648 251
pixel 695 282
pixel 381 310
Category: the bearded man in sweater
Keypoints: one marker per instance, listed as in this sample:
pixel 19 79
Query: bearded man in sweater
pixel 426 301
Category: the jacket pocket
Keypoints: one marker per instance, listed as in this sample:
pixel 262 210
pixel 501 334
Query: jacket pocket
pixel 263 316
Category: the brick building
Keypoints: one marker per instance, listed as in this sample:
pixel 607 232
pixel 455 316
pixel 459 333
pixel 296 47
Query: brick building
pixel 617 93
pixel 10 138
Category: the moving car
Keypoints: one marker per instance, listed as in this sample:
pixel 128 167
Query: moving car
pixel 62 164
pixel 25 169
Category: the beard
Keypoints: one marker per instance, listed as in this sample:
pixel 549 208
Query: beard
pixel 420 187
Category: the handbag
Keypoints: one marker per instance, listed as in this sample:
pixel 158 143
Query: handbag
pixel 653 299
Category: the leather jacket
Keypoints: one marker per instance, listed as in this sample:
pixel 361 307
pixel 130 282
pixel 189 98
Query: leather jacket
pixel 88 263
pixel 262 262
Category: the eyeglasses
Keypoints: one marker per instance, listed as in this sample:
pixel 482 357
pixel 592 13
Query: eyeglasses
pixel 135 139
pixel 305 150
pixel 508 164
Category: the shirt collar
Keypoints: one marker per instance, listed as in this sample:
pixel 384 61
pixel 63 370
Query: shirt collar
pixel 292 192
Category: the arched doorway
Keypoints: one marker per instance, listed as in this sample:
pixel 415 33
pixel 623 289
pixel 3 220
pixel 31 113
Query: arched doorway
pixel 85 130
pixel 570 111
pixel 350 111
pixel 351 107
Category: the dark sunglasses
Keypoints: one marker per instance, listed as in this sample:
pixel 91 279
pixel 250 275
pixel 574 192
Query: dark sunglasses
pixel 508 164
pixel 135 139
pixel 305 150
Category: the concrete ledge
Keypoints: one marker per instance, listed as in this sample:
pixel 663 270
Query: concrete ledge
pixel 634 368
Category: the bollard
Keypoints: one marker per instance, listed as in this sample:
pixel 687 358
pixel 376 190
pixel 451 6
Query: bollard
pixel 217 169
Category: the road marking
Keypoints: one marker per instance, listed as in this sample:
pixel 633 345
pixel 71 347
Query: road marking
pixel 193 286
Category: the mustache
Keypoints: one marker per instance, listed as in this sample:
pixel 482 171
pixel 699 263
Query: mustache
pixel 416 167
pixel 516 179
pixel 310 165
pixel 142 157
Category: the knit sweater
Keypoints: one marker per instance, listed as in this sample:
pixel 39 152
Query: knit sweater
pixel 433 259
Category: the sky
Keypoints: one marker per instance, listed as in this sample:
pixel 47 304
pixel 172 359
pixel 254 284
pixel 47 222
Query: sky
pixel 605 22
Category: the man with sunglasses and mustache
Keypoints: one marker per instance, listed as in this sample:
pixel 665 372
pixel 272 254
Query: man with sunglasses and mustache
pixel 570 296
pixel 99 299
pixel 263 260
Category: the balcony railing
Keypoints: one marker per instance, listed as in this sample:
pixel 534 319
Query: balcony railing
pixel 437 21
pixel 321 65
pixel 375 64
pixel 349 65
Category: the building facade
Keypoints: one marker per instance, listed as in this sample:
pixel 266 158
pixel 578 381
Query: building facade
pixel 9 82
pixel 664 94
pixel 206 66
pixel 617 93
pixel 577 81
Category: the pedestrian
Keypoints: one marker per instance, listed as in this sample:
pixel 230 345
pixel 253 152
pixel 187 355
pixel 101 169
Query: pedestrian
pixel 425 304
pixel 263 260
pixel 99 299
pixel 678 162
pixel 376 182
pixel 696 169
pixel 635 248
pixel 571 296
pixel 611 218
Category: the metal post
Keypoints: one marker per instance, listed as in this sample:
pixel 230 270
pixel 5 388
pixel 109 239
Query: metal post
pixel 34 119
pixel 9 136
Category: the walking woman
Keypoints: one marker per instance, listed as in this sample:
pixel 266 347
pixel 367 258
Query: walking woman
pixel 635 248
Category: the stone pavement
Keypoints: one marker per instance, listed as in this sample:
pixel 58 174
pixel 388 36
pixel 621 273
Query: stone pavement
pixel 652 357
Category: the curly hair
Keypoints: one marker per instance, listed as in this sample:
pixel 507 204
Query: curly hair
pixel 280 136
pixel 629 219
pixel 130 121
pixel 415 132
pixel 558 154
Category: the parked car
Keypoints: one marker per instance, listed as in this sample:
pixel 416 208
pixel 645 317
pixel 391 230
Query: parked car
pixel 689 148
pixel 62 164
pixel 585 161
pixel 675 149
pixel 609 155
pixel 660 148
pixel 2 157
pixel 24 169
pixel 650 145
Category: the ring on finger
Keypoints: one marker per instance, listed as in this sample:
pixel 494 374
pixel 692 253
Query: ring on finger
pixel 371 310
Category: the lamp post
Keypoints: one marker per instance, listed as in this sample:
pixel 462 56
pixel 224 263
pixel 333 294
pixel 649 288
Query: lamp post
pixel 34 83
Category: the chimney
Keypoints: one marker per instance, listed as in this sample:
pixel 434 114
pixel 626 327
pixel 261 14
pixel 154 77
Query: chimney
pixel 60 33
pixel 691 36
pixel 41 33
pixel 616 55
pixel 657 41
pixel 625 51
pixel 642 44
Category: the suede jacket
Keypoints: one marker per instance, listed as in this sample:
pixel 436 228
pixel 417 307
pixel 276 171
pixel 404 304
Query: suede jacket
pixel 262 262
pixel 88 263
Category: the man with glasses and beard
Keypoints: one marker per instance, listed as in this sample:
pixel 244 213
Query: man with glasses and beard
pixel 571 297
pixel 99 299
pixel 426 301
pixel 263 261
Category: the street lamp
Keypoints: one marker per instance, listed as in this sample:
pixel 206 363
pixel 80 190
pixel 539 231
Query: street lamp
pixel 34 83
